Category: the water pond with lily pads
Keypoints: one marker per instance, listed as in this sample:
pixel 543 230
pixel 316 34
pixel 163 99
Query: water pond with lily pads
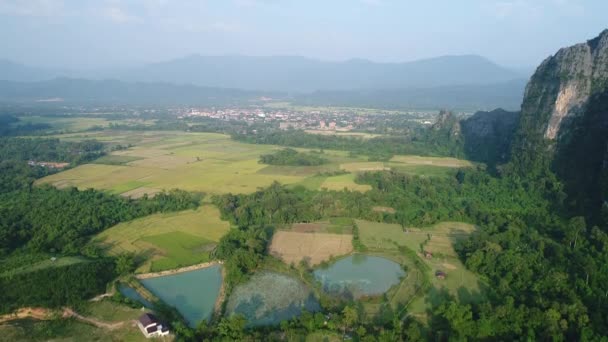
pixel 269 298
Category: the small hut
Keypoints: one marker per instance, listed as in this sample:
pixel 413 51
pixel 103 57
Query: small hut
pixel 428 255
pixel 440 275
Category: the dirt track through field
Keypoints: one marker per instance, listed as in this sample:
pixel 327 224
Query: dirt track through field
pixel 47 314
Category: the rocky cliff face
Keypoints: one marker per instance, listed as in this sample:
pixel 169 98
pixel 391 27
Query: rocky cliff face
pixel 447 121
pixel 563 84
pixel 564 119
pixel 488 136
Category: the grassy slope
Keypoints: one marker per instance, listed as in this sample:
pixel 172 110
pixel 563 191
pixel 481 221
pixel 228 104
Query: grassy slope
pixel 165 241
pixel 459 283
pixel 66 331
pixel 109 311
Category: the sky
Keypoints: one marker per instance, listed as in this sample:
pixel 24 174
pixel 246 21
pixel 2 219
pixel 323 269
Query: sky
pixel 86 34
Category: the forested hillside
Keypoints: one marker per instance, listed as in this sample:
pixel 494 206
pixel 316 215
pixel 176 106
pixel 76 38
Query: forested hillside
pixel 40 223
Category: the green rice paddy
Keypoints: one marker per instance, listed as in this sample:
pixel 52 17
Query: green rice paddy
pixel 166 241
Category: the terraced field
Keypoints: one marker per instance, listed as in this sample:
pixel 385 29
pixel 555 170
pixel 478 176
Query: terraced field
pixel 166 241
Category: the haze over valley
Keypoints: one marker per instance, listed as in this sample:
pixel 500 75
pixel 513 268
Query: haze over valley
pixel 303 171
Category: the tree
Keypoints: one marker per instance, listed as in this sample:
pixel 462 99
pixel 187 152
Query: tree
pixel 351 316
pixel 125 263
pixel 232 327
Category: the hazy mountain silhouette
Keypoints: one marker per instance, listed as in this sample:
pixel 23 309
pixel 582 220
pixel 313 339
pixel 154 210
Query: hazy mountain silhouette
pixel 291 74
pixel 299 74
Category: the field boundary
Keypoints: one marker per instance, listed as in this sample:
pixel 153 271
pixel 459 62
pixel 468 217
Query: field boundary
pixel 178 270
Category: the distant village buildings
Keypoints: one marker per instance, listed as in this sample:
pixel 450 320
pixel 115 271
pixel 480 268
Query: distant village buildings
pixel 342 120
pixel 49 165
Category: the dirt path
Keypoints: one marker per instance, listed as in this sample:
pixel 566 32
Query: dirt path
pixel 47 314
pixel 221 296
pixel 102 296
pixel 178 270
pixel 36 313
pixel 67 312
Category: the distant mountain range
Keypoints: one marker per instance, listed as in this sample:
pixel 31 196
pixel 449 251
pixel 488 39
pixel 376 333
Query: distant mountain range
pixel 290 74
pixel 449 81
pixel 299 74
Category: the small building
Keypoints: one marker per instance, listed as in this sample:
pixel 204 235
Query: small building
pixel 150 326
pixel 428 255
pixel 440 275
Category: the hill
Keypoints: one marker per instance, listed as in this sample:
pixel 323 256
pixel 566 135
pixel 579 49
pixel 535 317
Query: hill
pixel 564 123
pixel 290 74
pixel 299 74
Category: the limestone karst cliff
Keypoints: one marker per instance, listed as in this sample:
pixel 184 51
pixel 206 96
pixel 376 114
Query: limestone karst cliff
pixel 564 122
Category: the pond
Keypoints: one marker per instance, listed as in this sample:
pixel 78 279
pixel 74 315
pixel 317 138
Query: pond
pixel 192 293
pixel 269 298
pixel 360 275
pixel 132 294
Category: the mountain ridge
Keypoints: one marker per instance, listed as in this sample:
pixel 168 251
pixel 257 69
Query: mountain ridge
pixel 294 74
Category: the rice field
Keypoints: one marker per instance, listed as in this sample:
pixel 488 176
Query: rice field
pixel 361 135
pixel 313 248
pixel 435 161
pixel 341 182
pixel 214 163
pixel 166 241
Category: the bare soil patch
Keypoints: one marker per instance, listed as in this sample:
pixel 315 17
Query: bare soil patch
pixel 449 266
pixel 314 248
pixel 384 210
pixel 140 192
pixel 308 227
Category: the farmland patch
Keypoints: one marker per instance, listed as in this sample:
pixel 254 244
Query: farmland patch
pixel 313 248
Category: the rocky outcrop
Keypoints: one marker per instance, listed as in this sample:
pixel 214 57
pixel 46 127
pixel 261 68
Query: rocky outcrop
pixel 564 120
pixel 488 136
pixel 564 83
pixel 449 123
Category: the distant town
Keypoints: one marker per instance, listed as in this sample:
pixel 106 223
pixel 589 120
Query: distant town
pixel 328 120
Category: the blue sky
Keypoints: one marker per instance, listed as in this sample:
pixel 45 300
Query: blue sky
pixel 106 33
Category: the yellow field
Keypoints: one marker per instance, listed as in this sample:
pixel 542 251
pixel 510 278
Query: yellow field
pixel 364 166
pixel 344 181
pixel 214 163
pixel 443 162
pixel 314 248
pixel 166 239
pixel 211 163
pixel 343 133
